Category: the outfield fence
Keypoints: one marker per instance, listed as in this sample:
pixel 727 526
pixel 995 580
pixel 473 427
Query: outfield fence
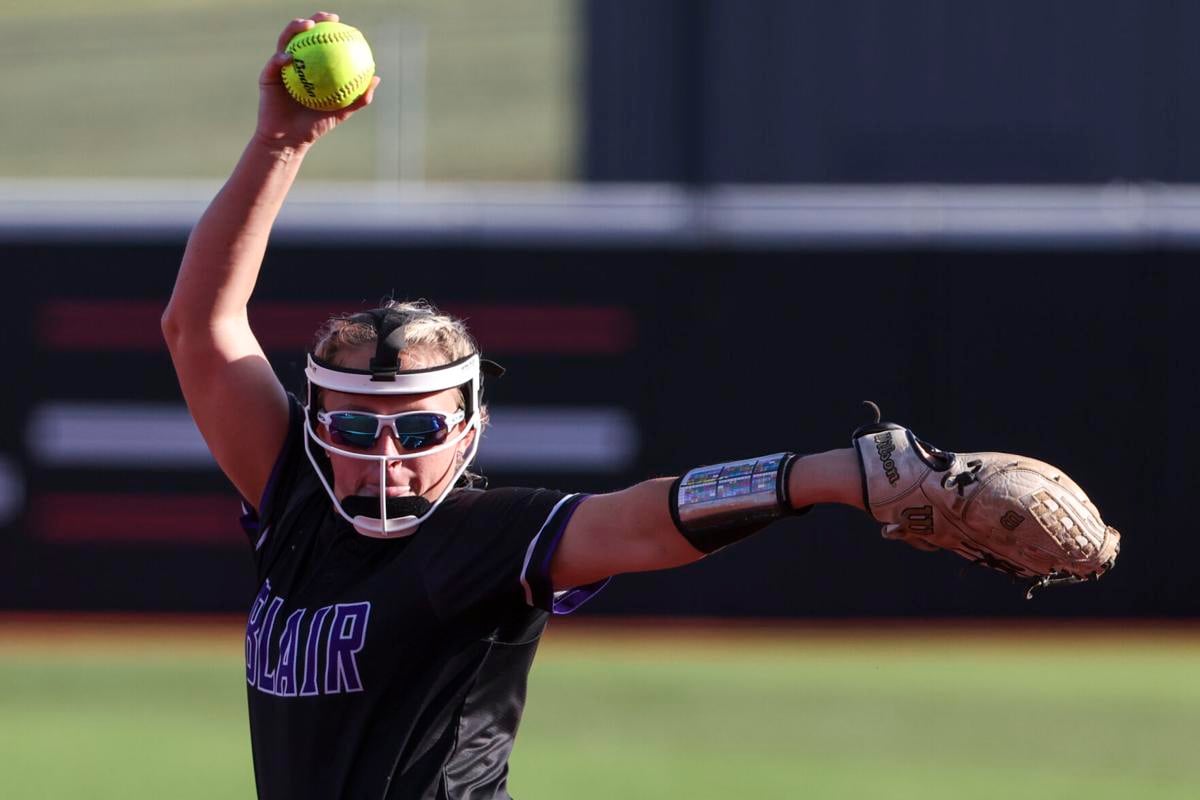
pixel 648 329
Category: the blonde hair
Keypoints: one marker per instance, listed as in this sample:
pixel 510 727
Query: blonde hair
pixel 431 339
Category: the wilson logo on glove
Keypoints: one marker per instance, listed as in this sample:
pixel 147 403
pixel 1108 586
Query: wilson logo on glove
pixel 918 519
pixel 980 505
pixel 885 446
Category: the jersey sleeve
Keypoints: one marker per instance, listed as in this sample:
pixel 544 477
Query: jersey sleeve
pixel 290 466
pixel 500 550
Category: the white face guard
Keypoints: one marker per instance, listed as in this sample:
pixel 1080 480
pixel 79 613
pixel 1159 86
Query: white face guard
pixel 385 517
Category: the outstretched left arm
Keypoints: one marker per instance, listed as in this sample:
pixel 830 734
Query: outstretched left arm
pixel 632 530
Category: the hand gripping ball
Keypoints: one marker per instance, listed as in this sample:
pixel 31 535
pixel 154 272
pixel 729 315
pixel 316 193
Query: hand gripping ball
pixel 331 66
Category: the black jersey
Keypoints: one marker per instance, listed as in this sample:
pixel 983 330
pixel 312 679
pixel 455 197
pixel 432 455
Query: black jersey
pixel 394 668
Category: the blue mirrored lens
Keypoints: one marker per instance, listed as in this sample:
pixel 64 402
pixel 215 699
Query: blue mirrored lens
pixel 413 432
pixel 355 430
pixel 421 430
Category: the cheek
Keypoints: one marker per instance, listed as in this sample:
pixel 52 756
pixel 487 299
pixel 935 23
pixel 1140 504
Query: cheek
pixel 429 469
pixel 429 473
pixel 347 472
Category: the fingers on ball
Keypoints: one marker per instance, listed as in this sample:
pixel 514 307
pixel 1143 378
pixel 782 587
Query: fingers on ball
pixel 295 26
pixel 275 63
pixel 369 94
pixel 366 97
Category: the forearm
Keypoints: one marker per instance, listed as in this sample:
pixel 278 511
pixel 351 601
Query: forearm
pixel 634 531
pixel 830 477
pixel 226 248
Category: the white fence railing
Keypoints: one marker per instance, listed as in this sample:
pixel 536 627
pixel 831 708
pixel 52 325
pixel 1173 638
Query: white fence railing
pixel 1117 216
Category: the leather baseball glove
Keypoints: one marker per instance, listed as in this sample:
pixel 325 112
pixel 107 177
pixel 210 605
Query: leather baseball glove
pixel 1011 513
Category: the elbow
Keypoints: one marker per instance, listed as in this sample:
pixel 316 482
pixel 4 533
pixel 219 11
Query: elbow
pixel 172 329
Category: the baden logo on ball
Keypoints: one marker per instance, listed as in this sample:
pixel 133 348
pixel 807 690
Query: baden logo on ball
pixel 331 66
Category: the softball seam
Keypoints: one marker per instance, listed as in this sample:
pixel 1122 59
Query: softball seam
pixel 325 37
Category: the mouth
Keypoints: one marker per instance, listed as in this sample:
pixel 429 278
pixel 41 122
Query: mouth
pixel 392 491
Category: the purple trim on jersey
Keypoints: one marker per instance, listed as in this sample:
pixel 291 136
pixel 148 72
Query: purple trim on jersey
pixel 250 519
pixel 571 599
pixel 538 574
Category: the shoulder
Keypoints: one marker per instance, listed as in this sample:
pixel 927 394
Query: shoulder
pixel 293 473
pixel 482 546
pixel 495 505
pixel 484 506
pixel 293 495
pixel 511 512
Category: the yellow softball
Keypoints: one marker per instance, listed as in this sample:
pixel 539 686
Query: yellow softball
pixel 331 66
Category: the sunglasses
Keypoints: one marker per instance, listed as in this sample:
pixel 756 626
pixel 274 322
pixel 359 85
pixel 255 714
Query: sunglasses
pixel 414 430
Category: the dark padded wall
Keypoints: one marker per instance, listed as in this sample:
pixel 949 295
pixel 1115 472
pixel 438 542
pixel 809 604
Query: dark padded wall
pixel 1084 359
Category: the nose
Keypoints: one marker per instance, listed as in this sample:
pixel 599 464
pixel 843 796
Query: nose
pixel 398 471
pixel 386 444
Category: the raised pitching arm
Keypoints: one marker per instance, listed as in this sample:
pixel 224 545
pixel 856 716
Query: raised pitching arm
pixel 230 388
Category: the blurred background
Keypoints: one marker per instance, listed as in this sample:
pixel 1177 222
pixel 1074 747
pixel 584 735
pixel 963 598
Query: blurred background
pixel 693 230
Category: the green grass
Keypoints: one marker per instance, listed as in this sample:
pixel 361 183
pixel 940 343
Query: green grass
pixel 660 715
pixel 121 726
pixel 135 88
pixel 880 718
